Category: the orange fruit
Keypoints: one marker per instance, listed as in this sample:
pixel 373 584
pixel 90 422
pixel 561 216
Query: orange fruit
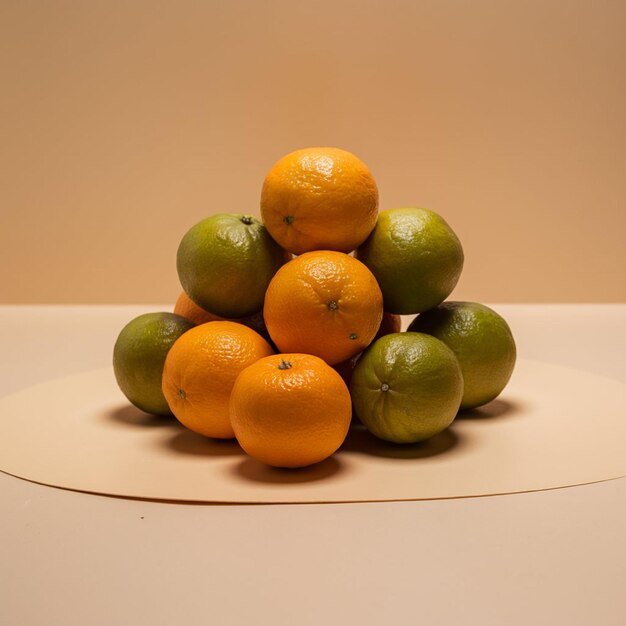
pixel 391 323
pixel 323 303
pixel 188 309
pixel 345 368
pixel 290 410
pixel 257 324
pixel 319 199
pixel 200 371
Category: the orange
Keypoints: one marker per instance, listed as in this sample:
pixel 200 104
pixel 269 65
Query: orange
pixel 391 323
pixel 323 303
pixel 290 410
pixel 345 368
pixel 200 371
pixel 319 199
pixel 188 309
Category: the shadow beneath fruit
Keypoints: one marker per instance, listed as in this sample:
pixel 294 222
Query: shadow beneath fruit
pixel 258 472
pixel 132 416
pixel 360 440
pixel 188 442
pixel 492 410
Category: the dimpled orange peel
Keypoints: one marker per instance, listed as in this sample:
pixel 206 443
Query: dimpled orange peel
pixel 323 303
pixel 319 199
pixel 290 410
pixel 200 370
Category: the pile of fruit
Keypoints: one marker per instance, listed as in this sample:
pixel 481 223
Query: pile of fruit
pixel 288 328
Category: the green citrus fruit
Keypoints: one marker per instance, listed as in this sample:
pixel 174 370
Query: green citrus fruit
pixel 406 387
pixel 416 259
pixel 225 263
pixel 482 342
pixel 139 355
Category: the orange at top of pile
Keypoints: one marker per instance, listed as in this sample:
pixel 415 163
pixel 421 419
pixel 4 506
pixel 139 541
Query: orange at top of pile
pixel 319 199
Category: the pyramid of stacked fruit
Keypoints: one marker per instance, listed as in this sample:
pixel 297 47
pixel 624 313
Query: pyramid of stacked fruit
pixel 289 325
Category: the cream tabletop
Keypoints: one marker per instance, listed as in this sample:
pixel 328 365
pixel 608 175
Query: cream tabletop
pixel 550 557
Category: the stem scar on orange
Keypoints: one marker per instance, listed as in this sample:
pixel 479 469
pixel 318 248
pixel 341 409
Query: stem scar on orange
pixel 200 371
pixel 323 303
pixel 391 323
pixel 319 199
pixel 290 410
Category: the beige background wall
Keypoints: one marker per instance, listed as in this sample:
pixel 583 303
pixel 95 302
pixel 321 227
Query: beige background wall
pixel 123 123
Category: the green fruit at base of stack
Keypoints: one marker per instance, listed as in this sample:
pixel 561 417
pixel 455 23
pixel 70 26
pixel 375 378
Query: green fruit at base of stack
pixel 416 258
pixel 225 263
pixel 406 387
pixel 139 355
pixel 482 342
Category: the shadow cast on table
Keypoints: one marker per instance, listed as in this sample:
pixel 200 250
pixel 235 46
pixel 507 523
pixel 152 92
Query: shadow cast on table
pixel 360 440
pixel 132 416
pixel 182 440
pixel 188 442
pixel 494 409
pixel 255 471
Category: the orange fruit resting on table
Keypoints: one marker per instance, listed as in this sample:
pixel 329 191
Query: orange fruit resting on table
pixel 200 370
pixel 319 199
pixel 323 303
pixel 290 410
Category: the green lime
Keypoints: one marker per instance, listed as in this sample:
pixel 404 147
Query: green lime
pixel 416 259
pixel 406 387
pixel 139 355
pixel 225 263
pixel 482 342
